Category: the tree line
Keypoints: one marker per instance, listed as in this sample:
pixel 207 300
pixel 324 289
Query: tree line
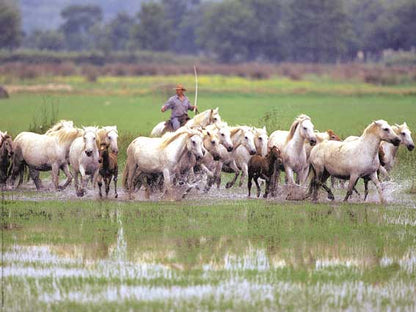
pixel 320 31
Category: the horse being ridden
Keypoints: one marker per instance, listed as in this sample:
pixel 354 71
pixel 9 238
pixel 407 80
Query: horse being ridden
pixel 208 117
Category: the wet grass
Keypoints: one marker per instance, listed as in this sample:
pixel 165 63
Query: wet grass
pixel 90 255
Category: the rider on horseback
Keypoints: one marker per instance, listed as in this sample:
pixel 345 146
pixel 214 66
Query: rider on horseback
pixel 179 104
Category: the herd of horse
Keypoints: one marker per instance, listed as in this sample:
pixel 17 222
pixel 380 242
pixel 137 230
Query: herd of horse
pixel 197 153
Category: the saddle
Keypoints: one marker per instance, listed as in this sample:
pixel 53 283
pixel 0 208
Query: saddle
pixel 182 121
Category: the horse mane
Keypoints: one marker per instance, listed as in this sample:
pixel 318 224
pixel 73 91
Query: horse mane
pixel 197 118
pixel 295 124
pixel 170 137
pixel 370 128
pixel 102 132
pixel 65 135
pixel 58 126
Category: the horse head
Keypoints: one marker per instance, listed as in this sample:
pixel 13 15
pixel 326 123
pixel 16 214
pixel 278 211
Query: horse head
pixel 195 144
pixel 224 135
pixel 6 144
pixel 306 129
pixel 332 136
pixel 384 131
pixel 90 140
pixel 111 136
pixel 405 135
pixel 214 117
pixel 245 137
pixel 211 143
pixel 260 140
pixel 276 153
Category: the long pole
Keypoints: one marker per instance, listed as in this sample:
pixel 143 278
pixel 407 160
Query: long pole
pixel 196 88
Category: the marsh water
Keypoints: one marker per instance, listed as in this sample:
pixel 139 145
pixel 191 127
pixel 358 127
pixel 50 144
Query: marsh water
pixel 207 253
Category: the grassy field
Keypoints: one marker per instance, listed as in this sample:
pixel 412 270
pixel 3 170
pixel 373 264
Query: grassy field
pixel 208 253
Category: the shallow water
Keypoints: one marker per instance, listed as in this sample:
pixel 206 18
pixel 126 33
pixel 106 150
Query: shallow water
pixel 208 252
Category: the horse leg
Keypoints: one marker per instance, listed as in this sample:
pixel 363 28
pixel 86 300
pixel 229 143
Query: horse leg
pixel 324 178
pixel 366 180
pixel 107 181
pixel 115 182
pixel 234 167
pixel 100 184
pixel 244 172
pixel 55 178
pixel 218 174
pixel 34 174
pixel 167 183
pixel 375 180
pixel 268 180
pixel 256 180
pixel 83 182
pixel 384 172
pixel 289 176
pixel 68 174
pixel 76 185
pixel 249 183
pixel 351 185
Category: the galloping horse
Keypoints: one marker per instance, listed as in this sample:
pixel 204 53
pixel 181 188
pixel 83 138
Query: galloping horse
pixel 208 117
pixel 83 157
pixel 44 152
pixel 155 155
pixel 352 159
pixel 108 135
pixel 294 152
pixel 6 152
pixel 390 151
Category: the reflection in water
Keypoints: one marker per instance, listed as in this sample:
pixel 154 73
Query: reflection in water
pixel 119 253
pixel 152 281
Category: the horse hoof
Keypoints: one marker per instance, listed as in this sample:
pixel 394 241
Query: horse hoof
pixel 264 195
pixel 80 193
pixel 228 185
pixel 116 196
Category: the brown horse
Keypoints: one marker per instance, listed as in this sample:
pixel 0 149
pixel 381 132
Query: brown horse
pixel 263 167
pixel 6 152
pixel 108 169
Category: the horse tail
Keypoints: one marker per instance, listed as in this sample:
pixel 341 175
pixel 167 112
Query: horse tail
pixel 17 164
pixel 128 172
pixel 158 130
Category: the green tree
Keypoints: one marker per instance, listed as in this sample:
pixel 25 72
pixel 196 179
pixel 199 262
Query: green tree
pixel 318 30
pixel 45 40
pixel 226 31
pixel 154 30
pixel 80 26
pixel 402 33
pixel 10 25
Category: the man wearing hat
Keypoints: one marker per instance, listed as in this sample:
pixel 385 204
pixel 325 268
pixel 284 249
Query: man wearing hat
pixel 179 104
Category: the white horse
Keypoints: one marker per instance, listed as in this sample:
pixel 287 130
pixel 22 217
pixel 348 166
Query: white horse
pixel 160 155
pixel 293 151
pixel 109 136
pixel 242 137
pixel 352 159
pixel 223 133
pixel 44 152
pixel 83 157
pixel 242 155
pixel 208 117
pixel 389 151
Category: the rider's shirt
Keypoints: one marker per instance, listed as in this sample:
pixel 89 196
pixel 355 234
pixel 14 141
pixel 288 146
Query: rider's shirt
pixel 177 106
